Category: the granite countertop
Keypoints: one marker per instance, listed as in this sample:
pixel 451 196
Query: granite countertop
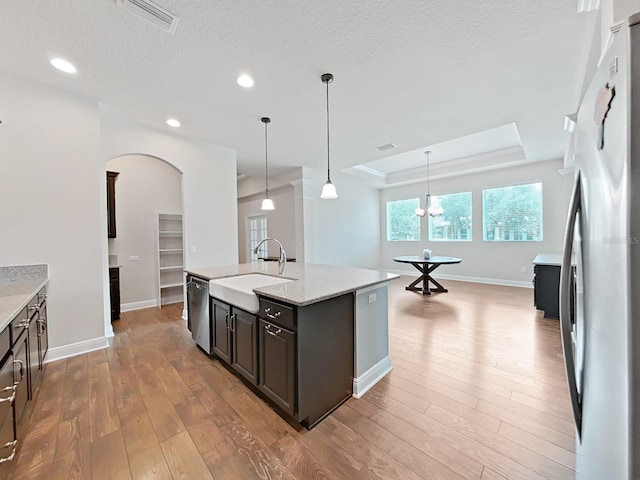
pixel 312 282
pixel 554 259
pixel 18 285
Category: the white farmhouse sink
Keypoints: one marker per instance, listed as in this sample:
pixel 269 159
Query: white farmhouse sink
pixel 238 290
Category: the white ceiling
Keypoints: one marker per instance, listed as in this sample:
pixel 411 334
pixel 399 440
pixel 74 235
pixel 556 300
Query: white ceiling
pixel 410 72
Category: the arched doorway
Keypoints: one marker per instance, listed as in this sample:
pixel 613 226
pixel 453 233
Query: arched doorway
pixel 148 248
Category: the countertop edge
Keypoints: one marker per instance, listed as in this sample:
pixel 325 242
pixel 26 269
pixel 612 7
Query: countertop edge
pixel 319 298
pixel 17 310
pixel 309 297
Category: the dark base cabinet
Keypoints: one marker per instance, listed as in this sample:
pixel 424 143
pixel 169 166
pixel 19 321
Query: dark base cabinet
pixel 278 365
pixel 114 292
pixel 220 315
pixel 244 335
pixel 299 358
pixel 546 290
pixel 23 346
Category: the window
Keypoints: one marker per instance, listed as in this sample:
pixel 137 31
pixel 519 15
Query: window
pixel 257 228
pixel 455 222
pixel 402 221
pixel 512 214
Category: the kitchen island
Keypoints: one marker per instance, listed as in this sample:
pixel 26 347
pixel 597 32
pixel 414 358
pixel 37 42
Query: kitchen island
pixel 314 341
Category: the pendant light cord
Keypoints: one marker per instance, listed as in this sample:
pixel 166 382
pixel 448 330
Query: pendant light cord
pixel 428 175
pixel 266 171
pixel 328 169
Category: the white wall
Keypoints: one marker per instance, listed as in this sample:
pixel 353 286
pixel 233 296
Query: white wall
pixel 145 187
pixel 208 184
pixel 346 230
pixel 52 197
pixel 53 149
pixel 500 262
pixel 280 222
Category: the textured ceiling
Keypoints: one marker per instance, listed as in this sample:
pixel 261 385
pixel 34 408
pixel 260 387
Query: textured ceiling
pixel 411 72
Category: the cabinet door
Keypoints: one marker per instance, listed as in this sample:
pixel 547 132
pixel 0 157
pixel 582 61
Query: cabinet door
pixel 111 204
pixel 277 365
pixel 245 344
pixel 21 365
pixel 8 445
pixel 43 335
pixel 220 320
pixel 34 368
pixel 114 292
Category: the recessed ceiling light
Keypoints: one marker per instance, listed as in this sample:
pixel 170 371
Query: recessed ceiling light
pixel 63 65
pixel 245 81
pixel 172 122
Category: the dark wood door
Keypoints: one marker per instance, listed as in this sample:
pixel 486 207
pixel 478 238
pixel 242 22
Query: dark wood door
pixel 111 204
pixel 43 335
pixel 114 292
pixel 8 445
pixel 20 375
pixel 277 365
pixel 220 320
pixel 32 342
pixel 245 344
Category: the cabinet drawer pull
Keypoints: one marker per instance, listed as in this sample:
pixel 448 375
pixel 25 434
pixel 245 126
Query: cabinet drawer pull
pixel 267 312
pixel 21 370
pixel 24 324
pixel 273 331
pixel 42 323
pixel 11 397
pixel 233 319
pixel 13 444
pixel 35 308
pixel 226 320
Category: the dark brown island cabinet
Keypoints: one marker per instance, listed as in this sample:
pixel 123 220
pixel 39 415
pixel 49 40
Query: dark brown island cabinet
pixel 298 358
pixel 546 284
pixel 23 346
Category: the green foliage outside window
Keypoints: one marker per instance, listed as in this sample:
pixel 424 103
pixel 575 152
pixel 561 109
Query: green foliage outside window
pixel 402 222
pixel 512 214
pixel 455 222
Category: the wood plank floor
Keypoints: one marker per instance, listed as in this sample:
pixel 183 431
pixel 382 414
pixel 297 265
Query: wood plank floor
pixel 477 392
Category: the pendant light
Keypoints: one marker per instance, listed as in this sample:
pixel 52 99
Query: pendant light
pixel 267 203
pixel 432 210
pixel 329 189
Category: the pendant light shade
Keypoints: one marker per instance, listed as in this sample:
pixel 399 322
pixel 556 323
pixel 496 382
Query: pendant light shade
pixel 329 189
pixel 267 203
pixel 433 209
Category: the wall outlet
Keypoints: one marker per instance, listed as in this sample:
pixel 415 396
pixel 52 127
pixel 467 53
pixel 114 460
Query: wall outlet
pixel 134 258
pixel 525 269
pixel 193 249
pixel 372 297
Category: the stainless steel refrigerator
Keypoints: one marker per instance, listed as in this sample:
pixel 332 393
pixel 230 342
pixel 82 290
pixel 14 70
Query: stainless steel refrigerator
pixel 600 275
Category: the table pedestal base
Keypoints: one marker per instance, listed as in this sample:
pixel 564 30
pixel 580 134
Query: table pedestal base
pixel 425 278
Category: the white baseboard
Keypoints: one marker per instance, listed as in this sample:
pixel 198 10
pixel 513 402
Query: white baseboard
pixel 127 307
pixel 78 348
pixel 372 376
pixel 464 278
pixel 184 314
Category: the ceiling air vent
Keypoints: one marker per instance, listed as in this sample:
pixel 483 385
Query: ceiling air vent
pixel 152 12
pixel 387 146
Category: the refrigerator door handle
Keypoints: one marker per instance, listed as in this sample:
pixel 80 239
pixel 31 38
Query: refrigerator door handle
pixel 565 303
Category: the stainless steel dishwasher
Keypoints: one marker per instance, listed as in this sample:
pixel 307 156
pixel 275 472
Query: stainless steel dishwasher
pixel 199 321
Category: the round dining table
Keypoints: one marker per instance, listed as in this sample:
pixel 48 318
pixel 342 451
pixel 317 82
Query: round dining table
pixel 425 266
